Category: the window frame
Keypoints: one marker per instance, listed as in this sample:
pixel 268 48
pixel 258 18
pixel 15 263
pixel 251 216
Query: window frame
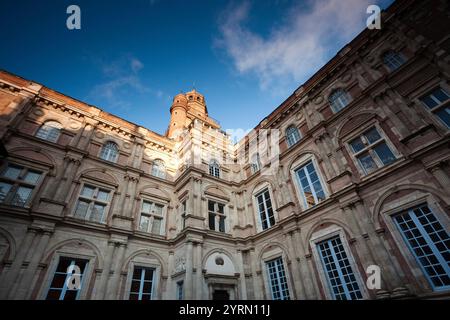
pixel 217 215
pixel 142 262
pixel 214 168
pixel 278 278
pixel 19 182
pixel 152 216
pixel 398 57
pixel 57 128
pixel 369 148
pixel 302 166
pixel 255 163
pixel 104 146
pixel 97 187
pixel 329 233
pixel 53 266
pixel 158 169
pixel 183 212
pixel 291 136
pixel 440 105
pixel 255 195
pixel 332 100
pixel 179 290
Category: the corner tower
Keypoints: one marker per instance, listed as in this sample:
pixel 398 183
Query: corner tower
pixel 178 116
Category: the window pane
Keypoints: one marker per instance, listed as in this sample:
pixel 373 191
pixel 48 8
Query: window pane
pixel 211 205
pixel 81 209
pixel 88 191
pixel 222 224
pixel 21 197
pixel 444 115
pixel 220 207
pixel 32 177
pixel 212 221
pixel 97 212
pixel 367 162
pixel 156 227
pixel 146 206
pixel 440 95
pixel 144 223
pixel 277 279
pixel 4 189
pixel 372 135
pixel 158 209
pixel 429 102
pixel 12 172
pixel 384 153
pixel 357 144
pixel 103 195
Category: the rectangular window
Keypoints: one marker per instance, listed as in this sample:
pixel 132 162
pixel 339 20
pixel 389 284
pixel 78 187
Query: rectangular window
pixel 216 216
pixel 92 204
pixel 151 217
pixel 265 209
pixel 437 103
pixel 311 188
pixel 339 273
pixel 68 279
pixel 429 242
pixel 180 290
pixel 142 283
pixel 17 184
pixel 371 151
pixel 277 279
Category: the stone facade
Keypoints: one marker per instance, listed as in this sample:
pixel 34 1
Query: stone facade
pixel 357 148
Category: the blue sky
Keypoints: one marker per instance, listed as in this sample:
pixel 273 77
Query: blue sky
pixel 131 57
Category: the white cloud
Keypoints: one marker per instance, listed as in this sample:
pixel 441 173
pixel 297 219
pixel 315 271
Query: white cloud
pixel 122 79
pixel 298 46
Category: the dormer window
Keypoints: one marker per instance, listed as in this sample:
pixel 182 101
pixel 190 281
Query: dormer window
pixel 214 168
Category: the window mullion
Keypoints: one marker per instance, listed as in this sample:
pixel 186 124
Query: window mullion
pixel 141 284
pixel 266 211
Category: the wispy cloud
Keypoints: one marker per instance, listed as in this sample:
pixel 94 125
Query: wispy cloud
pixel 122 78
pixel 299 45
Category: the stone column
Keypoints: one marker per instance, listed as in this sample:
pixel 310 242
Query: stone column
pixel 87 133
pixel 170 293
pixel 240 265
pixel 256 272
pixel 391 270
pixel 383 101
pixel 111 292
pixel 324 154
pixel 64 186
pixel 189 270
pixel 306 269
pixel 438 172
pixel 295 267
pixel 25 285
pixel 8 278
pixel 199 273
pixel 99 292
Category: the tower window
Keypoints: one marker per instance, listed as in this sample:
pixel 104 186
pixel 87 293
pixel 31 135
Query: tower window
pixel 292 136
pixel 151 217
pixel 17 184
pixel 393 60
pixel 92 204
pixel 214 168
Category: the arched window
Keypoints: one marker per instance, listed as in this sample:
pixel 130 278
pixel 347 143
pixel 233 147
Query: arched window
pixel 292 136
pixel 214 168
pixel 158 169
pixel 110 151
pixel 393 60
pixel 255 163
pixel 49 131
pixel 339 99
